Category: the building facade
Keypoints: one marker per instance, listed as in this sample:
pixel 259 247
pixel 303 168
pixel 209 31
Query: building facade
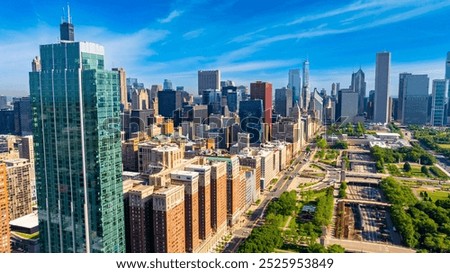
pixel 5 233
pixel 169 220
pixel 439 101
pixel 19 187
pixel 263 91
pixel 76 127
pixel 208 79
pixel 415 103
pixel 381 104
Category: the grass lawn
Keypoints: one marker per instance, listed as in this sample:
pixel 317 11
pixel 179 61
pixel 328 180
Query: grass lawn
pixel 438 195
pixel 444 146
pixel 27 236
pixel 415 171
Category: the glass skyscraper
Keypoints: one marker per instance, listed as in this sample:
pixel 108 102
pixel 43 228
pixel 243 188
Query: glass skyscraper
pixel 76 114
pixel 439 100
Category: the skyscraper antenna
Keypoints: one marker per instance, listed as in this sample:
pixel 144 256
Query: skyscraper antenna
pixel 69 19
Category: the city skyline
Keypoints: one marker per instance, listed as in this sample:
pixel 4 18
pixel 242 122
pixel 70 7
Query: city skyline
pixel 251 48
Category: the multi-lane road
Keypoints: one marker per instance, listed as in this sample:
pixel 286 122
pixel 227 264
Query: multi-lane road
pixel 257 217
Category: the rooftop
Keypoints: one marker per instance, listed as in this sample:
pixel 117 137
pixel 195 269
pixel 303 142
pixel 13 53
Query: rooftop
pixel 28 221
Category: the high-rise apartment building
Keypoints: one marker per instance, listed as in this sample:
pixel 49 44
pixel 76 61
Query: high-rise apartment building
pixel 208 79
pixel 439 101
pixel 295 84
pixel 218 196
pixel 235 189
pixel 263 91
pixel 122 88
pixel 415 103
pixel 283 101
pixel 204 199
pixel 19 187
pixel 169 220
pixel 383 66
pixel 5 233
pixel 140 206
pixel 191 206
pixel 359 86
pixel 76 108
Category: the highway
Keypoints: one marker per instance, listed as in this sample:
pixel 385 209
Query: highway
pixel 257 217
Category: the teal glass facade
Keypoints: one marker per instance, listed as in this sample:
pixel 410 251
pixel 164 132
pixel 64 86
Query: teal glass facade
pixel 76 113
pixel 438 117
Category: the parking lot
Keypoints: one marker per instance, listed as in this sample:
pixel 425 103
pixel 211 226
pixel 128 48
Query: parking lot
pixel 368 193
pixel 371 224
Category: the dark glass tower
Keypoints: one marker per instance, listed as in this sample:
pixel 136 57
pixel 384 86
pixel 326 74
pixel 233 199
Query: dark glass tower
pixel 76 126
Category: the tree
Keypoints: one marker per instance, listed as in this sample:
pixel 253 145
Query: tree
pixel 407 167
pixel 322 143
pixel 335 249
pixel 424 170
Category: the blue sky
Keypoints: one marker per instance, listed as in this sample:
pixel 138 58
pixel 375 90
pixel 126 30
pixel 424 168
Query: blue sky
pixel 247 40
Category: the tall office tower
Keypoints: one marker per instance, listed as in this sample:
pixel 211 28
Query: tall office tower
pixel 122 88
pixel 415 103
pixel 5 234
pixel 251 115
pixel 218 196
pixel 168 220
pixel 167 85
pixel 305 86
pixel 295 85
pixel 333 90
pixel 347 108
pixel 263 91
pixel 155 89
pixel 3 102
pixel 370 104
pixel 191 207
pixel 66 29
pixel 168 102
pixel 140 211
pixel 447 67
pixel 22 116
pixel 439 100
pixel 283 101
pixel 36 64
pixel 19 187
pixel 401 94
pixel 204 199
pixel 208 79
pixel 447 78
pixel 359 86
pixel 26 149
pixel 76 113
pixel 383 66
pixel 139 99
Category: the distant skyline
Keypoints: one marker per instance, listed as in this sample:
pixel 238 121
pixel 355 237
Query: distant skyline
pixel 246 40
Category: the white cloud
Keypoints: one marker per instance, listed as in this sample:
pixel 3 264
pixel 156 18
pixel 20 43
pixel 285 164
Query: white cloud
pixel 122 50
pixel 174 14
pixel 193 34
